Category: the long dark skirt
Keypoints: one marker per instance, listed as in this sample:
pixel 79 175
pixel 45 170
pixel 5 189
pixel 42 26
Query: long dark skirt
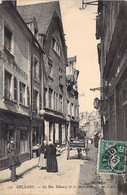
pixel 52 164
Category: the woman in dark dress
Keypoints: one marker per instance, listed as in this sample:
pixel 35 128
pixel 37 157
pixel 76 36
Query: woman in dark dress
pixel 50 155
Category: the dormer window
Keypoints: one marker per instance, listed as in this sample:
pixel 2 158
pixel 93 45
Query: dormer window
pixel 7 39
pixel 56 46
pixel 32 24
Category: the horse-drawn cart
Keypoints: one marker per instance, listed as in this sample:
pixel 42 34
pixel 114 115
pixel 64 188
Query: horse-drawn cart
pixel 75 143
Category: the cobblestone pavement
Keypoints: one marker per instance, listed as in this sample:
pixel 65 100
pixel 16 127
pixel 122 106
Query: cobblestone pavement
pixel 75 176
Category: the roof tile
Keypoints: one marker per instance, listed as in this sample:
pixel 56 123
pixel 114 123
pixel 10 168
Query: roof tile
pixel 43 12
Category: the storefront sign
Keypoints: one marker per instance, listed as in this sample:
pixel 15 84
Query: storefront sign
pixel 7 118
pixel 112 157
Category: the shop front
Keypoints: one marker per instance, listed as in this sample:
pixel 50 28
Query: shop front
pixel 17 126
pixel 37 136
pixel 55 129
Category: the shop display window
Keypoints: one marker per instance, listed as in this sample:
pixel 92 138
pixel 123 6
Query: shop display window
pixel 8 131
pixel 24 141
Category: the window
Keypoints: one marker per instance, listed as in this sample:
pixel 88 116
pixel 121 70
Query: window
pixel 72 109
pixel 24 142
pixel 50 67
pixel 60 75
pixel 15 89
pixel 54 43
pixel 36 136
pixel 45 97
pixel 7 39
pixel 40 100
pixel 50 132
pixel 28 96
pixel 50 98
pixel 57 101
pixel 22 87
pixel 36 69
pixel 68 107
pixel 58 49
pixel 75 111
pixel 7 132
pixel 7 86
pixel 60 103
pixel 35 101
pixel 56 46
pixel 54 100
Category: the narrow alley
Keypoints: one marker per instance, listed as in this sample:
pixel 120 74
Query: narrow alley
pixel 75 176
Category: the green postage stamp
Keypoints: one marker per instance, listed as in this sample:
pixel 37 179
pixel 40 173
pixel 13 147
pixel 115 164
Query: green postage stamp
pixel 112 157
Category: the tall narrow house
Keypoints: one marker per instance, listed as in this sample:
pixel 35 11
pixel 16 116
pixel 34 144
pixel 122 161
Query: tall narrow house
pixel 51 38
pixel 15 82
pixel 72 98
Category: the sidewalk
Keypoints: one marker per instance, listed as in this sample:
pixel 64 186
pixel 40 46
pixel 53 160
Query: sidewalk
pixel 109 186
pixel 25 167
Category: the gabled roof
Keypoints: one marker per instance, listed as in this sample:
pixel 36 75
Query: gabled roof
pixel 43 12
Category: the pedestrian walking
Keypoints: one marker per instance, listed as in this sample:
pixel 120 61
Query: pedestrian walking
pixel 42 161
pixel 96 140
pixel 13 160
pixel 50 155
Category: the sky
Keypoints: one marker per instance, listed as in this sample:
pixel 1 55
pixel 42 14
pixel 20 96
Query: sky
pixel 79 29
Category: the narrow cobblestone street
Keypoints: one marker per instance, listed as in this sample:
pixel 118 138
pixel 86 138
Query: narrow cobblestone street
pixel 75 176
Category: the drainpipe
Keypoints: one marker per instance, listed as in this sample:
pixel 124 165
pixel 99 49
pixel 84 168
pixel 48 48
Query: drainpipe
pixel 31 73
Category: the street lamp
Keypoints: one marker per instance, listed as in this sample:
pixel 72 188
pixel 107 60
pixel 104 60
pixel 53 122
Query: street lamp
pixel 42 112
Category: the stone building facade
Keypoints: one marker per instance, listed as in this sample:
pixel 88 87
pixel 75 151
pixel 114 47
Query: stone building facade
pixel 34 86
pixel 14 83
pixel 72 98
pixel 21 80
pixel 51 39
pixel 90 122
pixel 37 64
pixel 112 55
